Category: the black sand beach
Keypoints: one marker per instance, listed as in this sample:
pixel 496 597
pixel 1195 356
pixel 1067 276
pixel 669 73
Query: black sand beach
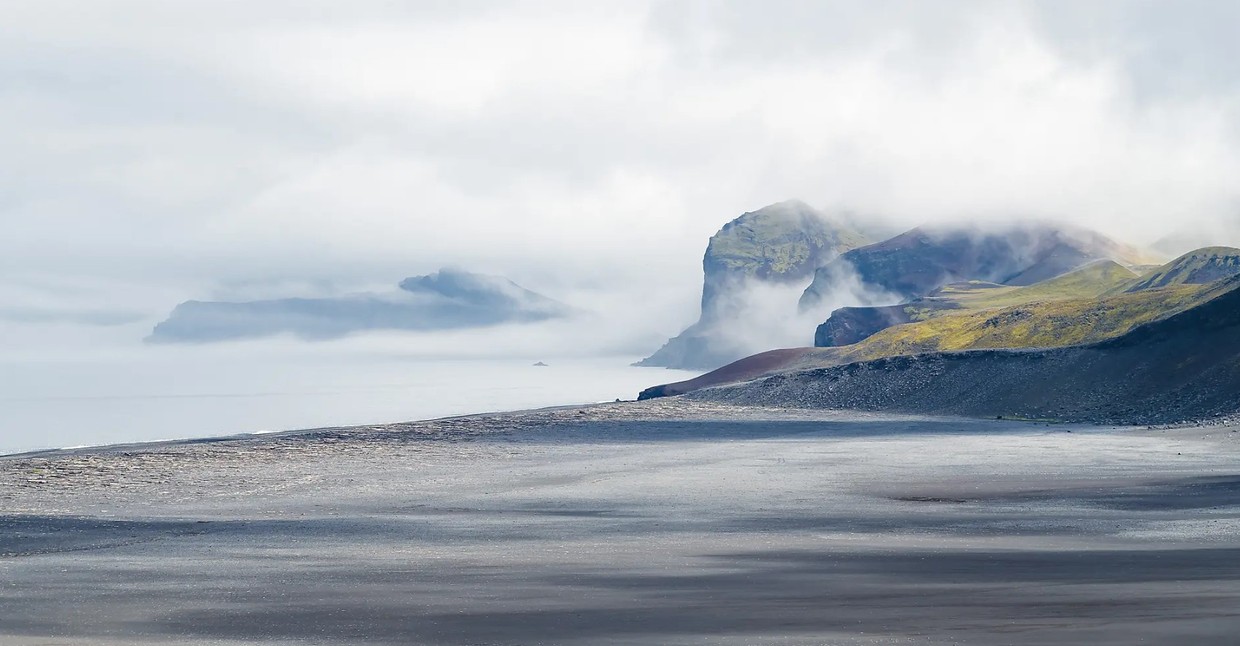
pixel 666 522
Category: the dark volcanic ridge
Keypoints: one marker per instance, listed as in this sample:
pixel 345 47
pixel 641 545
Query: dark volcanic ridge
pixel 1185 367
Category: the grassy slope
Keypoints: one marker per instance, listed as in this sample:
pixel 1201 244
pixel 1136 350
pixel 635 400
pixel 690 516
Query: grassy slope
pixel 1034 325
pixel 1090 281
pixel 1051 314
pixel 851 325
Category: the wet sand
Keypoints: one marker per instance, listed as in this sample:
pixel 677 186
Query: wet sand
pixel 664 522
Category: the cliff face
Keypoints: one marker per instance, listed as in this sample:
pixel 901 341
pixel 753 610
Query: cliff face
pixel 449 299
pixel 779 245
pixel 849 325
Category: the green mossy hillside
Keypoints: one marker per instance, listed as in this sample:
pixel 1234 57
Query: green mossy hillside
pixel 852 325
pixel 1045 324
pixel 1092 280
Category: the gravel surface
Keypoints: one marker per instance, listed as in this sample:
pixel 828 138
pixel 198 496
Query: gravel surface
pixel 1082 385
pixel 668 522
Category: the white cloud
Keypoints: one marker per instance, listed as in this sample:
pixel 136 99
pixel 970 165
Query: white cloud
pixel 179 150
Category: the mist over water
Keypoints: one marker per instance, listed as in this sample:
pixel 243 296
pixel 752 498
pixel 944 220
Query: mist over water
pixel 586 151
pixel 133 393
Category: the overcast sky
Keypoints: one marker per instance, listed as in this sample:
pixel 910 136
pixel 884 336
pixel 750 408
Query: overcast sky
pixel 158 151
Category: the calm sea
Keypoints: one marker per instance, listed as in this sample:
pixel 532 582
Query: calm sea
pixel 175 393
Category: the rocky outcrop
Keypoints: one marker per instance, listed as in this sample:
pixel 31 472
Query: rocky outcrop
pixel 781 244
pixel 448 299
pixel 849 325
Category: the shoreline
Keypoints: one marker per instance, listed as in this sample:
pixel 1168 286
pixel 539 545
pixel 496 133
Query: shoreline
pixel 666 408
pixel 117 446
pixel 698 405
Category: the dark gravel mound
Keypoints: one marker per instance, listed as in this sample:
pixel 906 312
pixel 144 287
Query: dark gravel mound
pixel 751 367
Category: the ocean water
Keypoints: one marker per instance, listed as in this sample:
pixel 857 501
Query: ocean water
pixel 158 393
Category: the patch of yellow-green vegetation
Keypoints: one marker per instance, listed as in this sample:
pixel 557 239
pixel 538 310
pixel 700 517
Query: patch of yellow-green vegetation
pixel 971 288
pixel 1090 281
pixel 1046 324
pixel 1032 325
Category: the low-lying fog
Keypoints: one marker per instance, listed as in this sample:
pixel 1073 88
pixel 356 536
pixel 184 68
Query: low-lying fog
pixel 80 377
pixel 586 151
pixel 116 393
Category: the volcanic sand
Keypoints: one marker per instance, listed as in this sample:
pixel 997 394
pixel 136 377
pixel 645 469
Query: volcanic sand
pixel 664 522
